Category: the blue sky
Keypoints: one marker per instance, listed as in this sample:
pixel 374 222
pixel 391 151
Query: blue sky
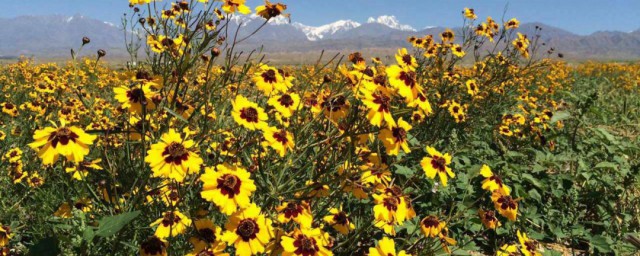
pixel 578 16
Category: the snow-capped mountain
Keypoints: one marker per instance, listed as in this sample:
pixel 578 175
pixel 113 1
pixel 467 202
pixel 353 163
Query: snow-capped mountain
pixel 317 33
pixel 391 21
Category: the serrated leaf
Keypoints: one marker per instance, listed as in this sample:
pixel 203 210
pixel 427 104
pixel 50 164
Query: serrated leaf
pixel 110 225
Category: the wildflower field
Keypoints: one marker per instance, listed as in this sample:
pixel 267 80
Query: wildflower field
pixel 475 143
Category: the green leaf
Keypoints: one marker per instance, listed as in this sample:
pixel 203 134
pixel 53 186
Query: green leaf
pixel 89 234
pixel 531 179
pixel 607 165
pixel 45 247
pixel 404 171
pixel 110 225
pixel 535 195
pixel 559 116
pixel 601 243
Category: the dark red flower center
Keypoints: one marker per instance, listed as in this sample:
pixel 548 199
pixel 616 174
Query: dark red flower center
pixel 305 246
pixel 286 100
pixel 63 136
pixel 247 229
pixel 175 153
pixel 229 185
pixel 269 76
pixel 250 114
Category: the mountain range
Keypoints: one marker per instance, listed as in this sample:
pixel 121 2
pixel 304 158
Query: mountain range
pixel 52 36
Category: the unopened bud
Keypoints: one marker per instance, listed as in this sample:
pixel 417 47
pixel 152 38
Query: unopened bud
pixel 85 40
pixel 101 53
pixel 215 52
pixel 142 20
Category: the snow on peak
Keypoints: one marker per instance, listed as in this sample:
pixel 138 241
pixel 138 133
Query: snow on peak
pixel 317 33
pixel 390 21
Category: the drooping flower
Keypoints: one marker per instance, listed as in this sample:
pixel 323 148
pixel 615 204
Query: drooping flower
pixel 228 187
pixel 173 157
pixel 438 164
pixel 431 226
pixel 70 142
pixel 232 6
pixel 248 231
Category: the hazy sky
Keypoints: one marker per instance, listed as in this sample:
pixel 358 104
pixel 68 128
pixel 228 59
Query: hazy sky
pixel 578 16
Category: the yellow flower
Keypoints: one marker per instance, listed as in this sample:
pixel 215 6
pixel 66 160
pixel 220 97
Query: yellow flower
pixel 339 220
pixel 386 247
pixel 248 114
pixel 507 250
pixel 171 224
pixel 70 142
pixel 431 226
pixel 306 242
pixel 472 87
pixel 404 81
pixel 81 170
pixel 379 104
pixel 207 239
pixel 286 103
pixel 405 59
pixel 300 212
pixel 154 246
pixel 492 182
pixel 395 138
pixel 438 163
pixel 136 97
pixel 505 204
pixel 512 24
pixel 269 79
pixel 390 207
pixel 172 157
pixel 528 247
pixel 470 14
pixel 489 219
pixel 228 187
pixel 279 139
pixel 269 10
pixel 232 6
pixel 457 50
pixel 5 235
pixel 248 231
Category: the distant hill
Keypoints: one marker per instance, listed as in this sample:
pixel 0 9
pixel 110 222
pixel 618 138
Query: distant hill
pixel 52 36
